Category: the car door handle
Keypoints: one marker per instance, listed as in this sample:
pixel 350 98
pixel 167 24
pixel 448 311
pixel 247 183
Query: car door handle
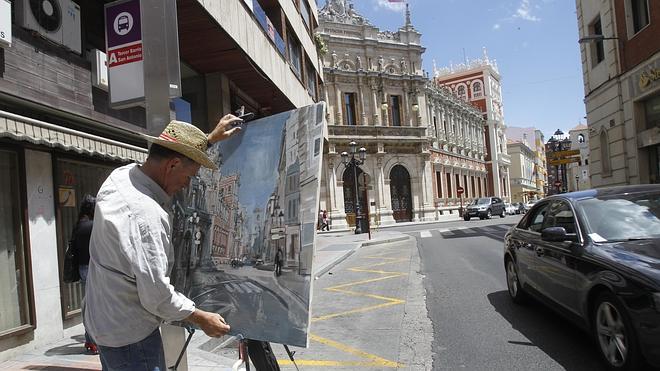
pixel 539 251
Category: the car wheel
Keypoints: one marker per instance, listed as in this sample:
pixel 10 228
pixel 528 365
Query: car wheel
pixel 503 214
pixel 466 218
pixel 614 333
pixel 489 214
pixel 513 283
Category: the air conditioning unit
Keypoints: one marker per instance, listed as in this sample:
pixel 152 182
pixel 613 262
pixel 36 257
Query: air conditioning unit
pixel 99 69
pixel 56 20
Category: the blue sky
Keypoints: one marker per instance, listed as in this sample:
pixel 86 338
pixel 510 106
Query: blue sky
pixel 254 153
pixel 533 41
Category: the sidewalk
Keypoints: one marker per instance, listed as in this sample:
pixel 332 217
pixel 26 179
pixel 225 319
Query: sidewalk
pixel 204 353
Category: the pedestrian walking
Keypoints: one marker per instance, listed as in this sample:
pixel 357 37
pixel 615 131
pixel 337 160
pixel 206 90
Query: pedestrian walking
pixel 278 262
pixel 128 288
pixel 80 239
pixel 324 221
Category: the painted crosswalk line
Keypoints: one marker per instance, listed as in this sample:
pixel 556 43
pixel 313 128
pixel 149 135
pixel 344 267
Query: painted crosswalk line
pixel 425 234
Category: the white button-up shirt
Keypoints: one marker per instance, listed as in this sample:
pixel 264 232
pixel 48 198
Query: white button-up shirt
pixel 128 291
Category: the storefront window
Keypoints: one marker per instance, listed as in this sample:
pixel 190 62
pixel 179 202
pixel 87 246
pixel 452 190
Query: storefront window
pixel 14 304
pixel 74 180
pixel 652 112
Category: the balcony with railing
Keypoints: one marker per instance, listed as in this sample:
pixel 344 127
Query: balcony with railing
pixel 377 133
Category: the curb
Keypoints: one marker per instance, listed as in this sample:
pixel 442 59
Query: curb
pixel 332 264
pixel 348 253
pixel 392 239
pixel 394 225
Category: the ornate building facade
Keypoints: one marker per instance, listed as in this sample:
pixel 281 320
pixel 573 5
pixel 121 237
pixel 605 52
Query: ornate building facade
pixel 478 82
pixel 421 142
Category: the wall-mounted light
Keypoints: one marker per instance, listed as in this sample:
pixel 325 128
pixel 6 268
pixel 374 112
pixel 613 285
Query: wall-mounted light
pixel 415 107
pixel 384 106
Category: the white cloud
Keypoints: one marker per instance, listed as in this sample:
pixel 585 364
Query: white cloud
pixel 395 7
pixel 496 26
pixel 524 12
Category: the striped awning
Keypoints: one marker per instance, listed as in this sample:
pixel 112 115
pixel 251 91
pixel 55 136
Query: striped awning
pixel 43 133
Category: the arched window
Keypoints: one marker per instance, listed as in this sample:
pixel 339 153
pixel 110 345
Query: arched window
pixel 461 91
pixel 477 89
pixel 604 154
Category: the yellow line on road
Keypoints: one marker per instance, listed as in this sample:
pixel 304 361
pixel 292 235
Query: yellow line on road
pixel 375 361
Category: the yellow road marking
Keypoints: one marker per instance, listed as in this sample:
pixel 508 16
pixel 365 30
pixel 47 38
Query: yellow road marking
pixel 375 361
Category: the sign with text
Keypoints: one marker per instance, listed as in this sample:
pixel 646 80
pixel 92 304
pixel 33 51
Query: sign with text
pixel 571 152
pixel 460 190
pixel 562 161
pixel 123 41
pixel 5 23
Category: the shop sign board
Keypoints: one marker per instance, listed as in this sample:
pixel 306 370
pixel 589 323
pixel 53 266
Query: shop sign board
pixel 5 23
pixel 123 41
pixel 562 161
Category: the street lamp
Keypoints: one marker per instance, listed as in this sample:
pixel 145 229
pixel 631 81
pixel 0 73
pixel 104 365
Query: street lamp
pixel 577 182
pixel 355 162
pixel 595 38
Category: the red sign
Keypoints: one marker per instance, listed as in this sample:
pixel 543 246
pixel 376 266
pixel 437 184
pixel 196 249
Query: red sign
pixel 557 184
pixel 459 190
pixel 127 54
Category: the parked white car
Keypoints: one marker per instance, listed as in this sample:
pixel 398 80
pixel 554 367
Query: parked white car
pixel 510 209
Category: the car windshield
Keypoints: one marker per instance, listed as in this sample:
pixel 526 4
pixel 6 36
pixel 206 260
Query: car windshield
pixel 622 217
pixel 481 201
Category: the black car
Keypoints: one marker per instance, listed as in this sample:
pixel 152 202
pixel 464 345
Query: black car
pixel 594 256
pixel 484 208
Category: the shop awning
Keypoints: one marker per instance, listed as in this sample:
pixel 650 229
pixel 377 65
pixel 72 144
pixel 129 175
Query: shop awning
pixel 23 128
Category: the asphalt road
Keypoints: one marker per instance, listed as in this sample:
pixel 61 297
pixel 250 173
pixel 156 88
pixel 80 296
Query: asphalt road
pixel 369 313
pixel 476 326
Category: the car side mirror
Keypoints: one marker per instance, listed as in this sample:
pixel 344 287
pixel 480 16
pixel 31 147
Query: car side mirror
pixel 555 234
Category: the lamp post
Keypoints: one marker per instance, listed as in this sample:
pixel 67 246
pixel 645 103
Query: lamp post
pixel 355 162
pixel 577 182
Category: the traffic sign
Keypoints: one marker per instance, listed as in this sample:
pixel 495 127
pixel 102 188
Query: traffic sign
pixel 562 161
pixel 460 190
pixel 571 152
pixel 276 236
pixel 557 184
pixel 276 230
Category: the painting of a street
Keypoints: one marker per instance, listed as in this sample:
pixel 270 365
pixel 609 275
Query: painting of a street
pixel 244 234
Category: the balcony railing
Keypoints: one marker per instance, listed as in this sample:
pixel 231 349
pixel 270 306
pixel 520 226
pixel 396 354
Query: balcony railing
pixel 380 132
pixel 268 27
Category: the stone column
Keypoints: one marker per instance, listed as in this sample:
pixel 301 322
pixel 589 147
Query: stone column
pixel 376 106
pixel 363 112
pixel 339 119
pixel 384 203
pixel 338 213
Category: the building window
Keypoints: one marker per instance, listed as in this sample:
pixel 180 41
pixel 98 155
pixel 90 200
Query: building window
pixel 640 14
pixel 311 80
pixel 438 181
pixel 597 49
pixel 294 53
pixel 349 109
pixel 304 11
pixel 477 89
pixel 395 102
pixel 604 154
pixel 580 138
pixel 461 92
pixel 15 305
pixel 449 190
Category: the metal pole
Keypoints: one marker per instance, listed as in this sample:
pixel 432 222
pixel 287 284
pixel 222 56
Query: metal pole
pixel 358 230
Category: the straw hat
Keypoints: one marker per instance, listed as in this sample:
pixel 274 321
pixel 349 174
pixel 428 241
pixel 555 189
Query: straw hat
pixel 186 139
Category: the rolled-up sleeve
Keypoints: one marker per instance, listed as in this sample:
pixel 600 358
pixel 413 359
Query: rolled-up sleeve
pixel 150 267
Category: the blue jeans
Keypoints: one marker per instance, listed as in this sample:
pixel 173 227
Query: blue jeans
pixel 82 270
pixel 145 355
